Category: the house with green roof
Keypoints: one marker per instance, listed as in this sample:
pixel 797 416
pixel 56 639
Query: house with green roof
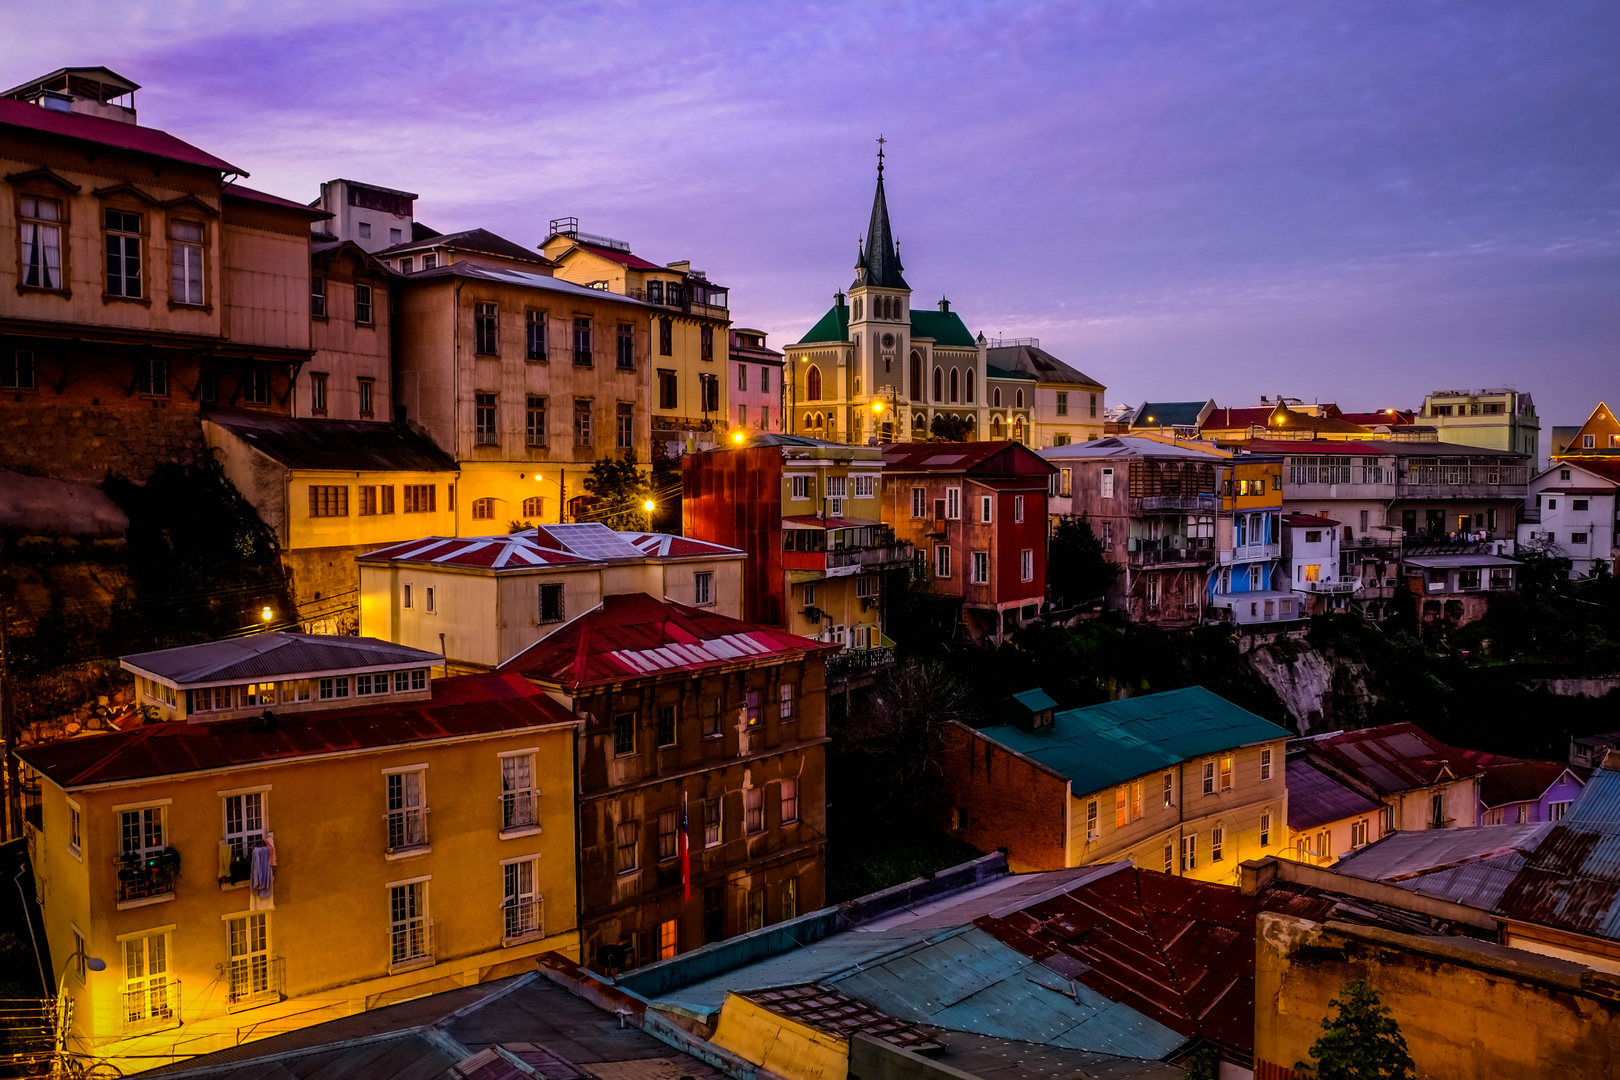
pixel 1183 781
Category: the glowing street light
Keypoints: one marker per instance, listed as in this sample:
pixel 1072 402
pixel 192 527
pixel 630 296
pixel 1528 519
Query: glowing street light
pixel 737 437
pixel 649 506
pixel 267 614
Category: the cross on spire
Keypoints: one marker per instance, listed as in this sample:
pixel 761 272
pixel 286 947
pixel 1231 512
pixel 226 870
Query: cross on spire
pixel 880 141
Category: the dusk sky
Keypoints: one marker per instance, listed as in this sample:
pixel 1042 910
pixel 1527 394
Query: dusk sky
pixel 1356 202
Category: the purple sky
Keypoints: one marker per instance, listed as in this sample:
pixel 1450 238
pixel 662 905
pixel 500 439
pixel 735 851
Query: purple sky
pixel 1347 201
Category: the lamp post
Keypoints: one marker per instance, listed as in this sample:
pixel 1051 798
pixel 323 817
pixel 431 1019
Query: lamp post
pixel 64 1004
pixel 560 500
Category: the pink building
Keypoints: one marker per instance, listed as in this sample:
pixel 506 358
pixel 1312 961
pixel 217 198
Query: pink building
pixel 756 383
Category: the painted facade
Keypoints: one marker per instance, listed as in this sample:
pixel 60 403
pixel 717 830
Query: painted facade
pixel 1570 512
pixel 1501 419
pixel 1067 403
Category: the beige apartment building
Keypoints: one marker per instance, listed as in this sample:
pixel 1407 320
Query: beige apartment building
pixel 1500 418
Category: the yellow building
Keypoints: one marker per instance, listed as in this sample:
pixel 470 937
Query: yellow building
pixel 689 326
pixel 315 826
pixel 483 599
pixel 1068 404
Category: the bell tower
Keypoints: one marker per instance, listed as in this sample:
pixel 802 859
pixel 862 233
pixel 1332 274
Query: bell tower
pixel 880 315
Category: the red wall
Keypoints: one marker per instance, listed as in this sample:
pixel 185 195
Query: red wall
pixel 734 497
pixel 1010 802
pixel 1013 537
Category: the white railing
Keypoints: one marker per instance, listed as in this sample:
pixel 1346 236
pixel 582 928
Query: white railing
pixel 407 828
pixel 411 939
pixel 519 809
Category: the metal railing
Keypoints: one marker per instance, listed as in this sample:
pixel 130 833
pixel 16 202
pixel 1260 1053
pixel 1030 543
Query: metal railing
pixel 254 976
pixel 141 877
pixel 1332 588
pixel 522 919
pixel 853 660
pixel 411 940
pixel 1150 503
pixel 407 828
pixel 1252 553
pixel 519 809
pixel 1165 556
pixel 878 555
pixel 157 1004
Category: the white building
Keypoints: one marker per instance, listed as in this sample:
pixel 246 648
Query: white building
pixel 1570 512
pixel 1311 562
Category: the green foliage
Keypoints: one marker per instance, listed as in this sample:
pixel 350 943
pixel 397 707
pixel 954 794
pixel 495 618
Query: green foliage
pixel 1203 1064
pixel 1362 1042
pixel 618 489
pixel 950 428
pixel 1076 565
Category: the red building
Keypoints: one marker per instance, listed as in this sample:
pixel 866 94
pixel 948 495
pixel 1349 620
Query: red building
pixel 977 514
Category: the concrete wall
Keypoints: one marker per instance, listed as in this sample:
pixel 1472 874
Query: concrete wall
pixel 1506 1013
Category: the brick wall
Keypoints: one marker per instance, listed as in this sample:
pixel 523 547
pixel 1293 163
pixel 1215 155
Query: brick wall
pixel 86 442
pixel 1007 802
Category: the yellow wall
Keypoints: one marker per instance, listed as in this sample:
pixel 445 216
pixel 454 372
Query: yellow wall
pixel 329 913
pixel 783 1047
pixel 1269 473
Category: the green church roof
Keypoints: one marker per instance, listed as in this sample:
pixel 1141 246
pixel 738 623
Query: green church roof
pixel 945 327
pixel 834 326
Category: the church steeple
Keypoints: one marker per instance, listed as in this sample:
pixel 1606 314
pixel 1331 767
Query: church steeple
pixel 882 259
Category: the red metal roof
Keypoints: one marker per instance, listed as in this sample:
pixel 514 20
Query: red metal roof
pixel 1308 521
pixel 1506 780
pixel 1380 418
pixel 1239 418
pixel 963 457
pixel 241 192
pixel 462 706
pixel 96 129
pixel 574 544
pixel 1395 757
pixel 1176 950
pixel 624 258
pixel 630 635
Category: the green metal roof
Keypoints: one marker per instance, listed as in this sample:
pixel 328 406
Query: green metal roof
pixel 1034 700
pixel 1103 745
pixel 834 326
pixel 993 372
pixel 945 327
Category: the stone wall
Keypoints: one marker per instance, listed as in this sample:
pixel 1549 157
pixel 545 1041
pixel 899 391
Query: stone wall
pixel 87 442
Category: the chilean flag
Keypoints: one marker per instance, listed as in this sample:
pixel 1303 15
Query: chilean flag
pixel 685 848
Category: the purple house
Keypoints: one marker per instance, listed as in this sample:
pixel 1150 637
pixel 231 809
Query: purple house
pixel 1515 791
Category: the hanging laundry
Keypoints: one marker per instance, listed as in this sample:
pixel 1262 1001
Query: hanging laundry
pixel 224 860
pixel 270 842
pixel 263 875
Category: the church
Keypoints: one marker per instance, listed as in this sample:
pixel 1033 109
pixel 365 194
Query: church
pixel 874 367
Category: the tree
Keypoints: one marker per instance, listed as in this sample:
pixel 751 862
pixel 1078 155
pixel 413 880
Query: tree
pixel 1362 1042
pixel 950 428
pixel 900 730
pixel 1076 564
pixel 618 493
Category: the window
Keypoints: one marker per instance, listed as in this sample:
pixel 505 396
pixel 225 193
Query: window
pixel 1557 810
pixel 985 502
pixel 981 568
pixel 142 833
pixel 799 487
pixel 865 486
pixel 1588 442
pixel 709 388
pixel 1574 538
pixel 1122 811
pixel 756 909
pixel 334 688
pixel 667 939
pixel 365 230
pixel 1189 852
pixel 430 262
pixel 534 335
pixel 362 304
pixel 624 428
pixel 152 374
pixel 1106 484
pixel 317 393
pixel 1265 829
pixel 123 253
pixel 583 435
pixel 407 264
pixel 534 425
pixel 784 698
pixel 627 348
pixel 41 235
pixel 1026 565
pixel 520 900
pixel 790 899
pixel 484 433
pixel 1062 403
pixel 942 560
pixel 790 801
pixel 582 342
pixel 147 996
pixel 919 502
pixel 328 501
pixel 625 837
pixel 429 595
pixel 706 342
pixel 317 297
pixel 247 949
pixel 624 734
pixel 17 371
pixel 483 509
pixel 408 922
pixel 711 718
pixel 1209 777
pixel 742 376
pixel 244 823
pixel 751 707
pixel 711 823
pixel 953 503
pixel 1169 857
pixel 367 386
pixel 256 387
pixel 407 815
pixel 1169 789
pixel 703 588
pixel 418 498
pixel 1091 820
pixel 1018 508
pixel 75 834
pixel 1093 405
pixel 1265 763
pixel 666 328
pixel 1358 833
pixel 1579 504
pixel 1226 773
pixel 668 822
pixel 1136 800
pixel 551 602
pixel 753 810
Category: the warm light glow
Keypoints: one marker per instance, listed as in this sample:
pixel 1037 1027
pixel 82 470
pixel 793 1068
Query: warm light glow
pixel 877 406
pixel 267 614
pixel 649 506
pixel 736 436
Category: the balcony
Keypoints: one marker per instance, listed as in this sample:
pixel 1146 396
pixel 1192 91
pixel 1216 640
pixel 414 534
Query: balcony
pixel 254 980
pixel 155 1005
pixel 856 661
pixel 877 557
pixel 519 810
pixel 1251 553
pixel 1170 504
pixel 410 944
pixel 521 921
pixel 1328 588
pixel 407 830
pixel 1530 515
pixel 1171 556
pixel 149 876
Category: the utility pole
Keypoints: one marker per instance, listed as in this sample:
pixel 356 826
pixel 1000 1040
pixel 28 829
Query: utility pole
pixel 8 733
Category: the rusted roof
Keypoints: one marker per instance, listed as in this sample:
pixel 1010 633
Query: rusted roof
pixel 478 241
pixel 1505 780
pixel 841 1016
pixel 574 544
pixel 1395 757
pixel 338 445
pixel 1308 521
pixel 964 457
pixel 240 191
pixel 623 258
pixel 1315 798
pixel 275 654
pixel 1179 951
pixel 630 635
pixel 1572 879
pixel 116 133
pixel 468 705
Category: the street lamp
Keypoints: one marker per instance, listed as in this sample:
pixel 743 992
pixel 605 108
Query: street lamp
pixel 267 614
pixel 649 506
pixel 64 1004
pixel 538 478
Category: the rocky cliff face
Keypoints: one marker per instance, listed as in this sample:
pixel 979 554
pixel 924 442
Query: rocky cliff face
pixel 1322 691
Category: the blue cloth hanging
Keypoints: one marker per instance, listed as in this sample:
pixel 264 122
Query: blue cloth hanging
pixel 263 876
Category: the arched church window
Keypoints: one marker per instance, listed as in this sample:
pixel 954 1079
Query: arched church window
pixel 970 386
pixel 812 384
pixel 1020 397
pixel 954 398
pixel 1018 429
pixel 995 396
pixel 995 427
pixel 916 376
pixel 918 423
pixel 939 384
pixel 809 420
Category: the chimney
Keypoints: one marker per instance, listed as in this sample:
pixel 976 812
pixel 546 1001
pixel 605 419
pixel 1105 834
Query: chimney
pixel 944 304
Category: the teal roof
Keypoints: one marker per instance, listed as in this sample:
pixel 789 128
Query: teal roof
pixel 993 372
pixel 834 326
pixel 1035 700
pixel 1103 745
pixel 945 327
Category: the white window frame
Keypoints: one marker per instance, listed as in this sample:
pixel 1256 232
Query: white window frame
pixel 981 568
pixel 799 486
pixel 986 502
pixel 919 502
pixel 789 800
pixel 942 560
pixel 1265 763
pixel 247 956
pixel 1208 775
pixel 413 840
pixel 703 588
pixel 252 820
pixel 953 504
pixel 521 902
pixel 520 794
pixel 865 485
pixel 156 1006
pixel 1105 486
pixel 1018 509
pixel 1189 852
pixel 410 927
pixel 1026 564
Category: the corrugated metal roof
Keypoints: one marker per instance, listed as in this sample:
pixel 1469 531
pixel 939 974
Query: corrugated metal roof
pixel 1036 361
pixel 632 634
pixel 1415 860
pixel 98 129
pixel 574 544
pixel 462 706
pixel 338 445
pixel 969 457
pixel 1102 745
pixel 1128 446
pixel 996 1058
pixel 1572 879
pixel 810 963
pixel 1394 757
pixel 274 654
pixel 1315 798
